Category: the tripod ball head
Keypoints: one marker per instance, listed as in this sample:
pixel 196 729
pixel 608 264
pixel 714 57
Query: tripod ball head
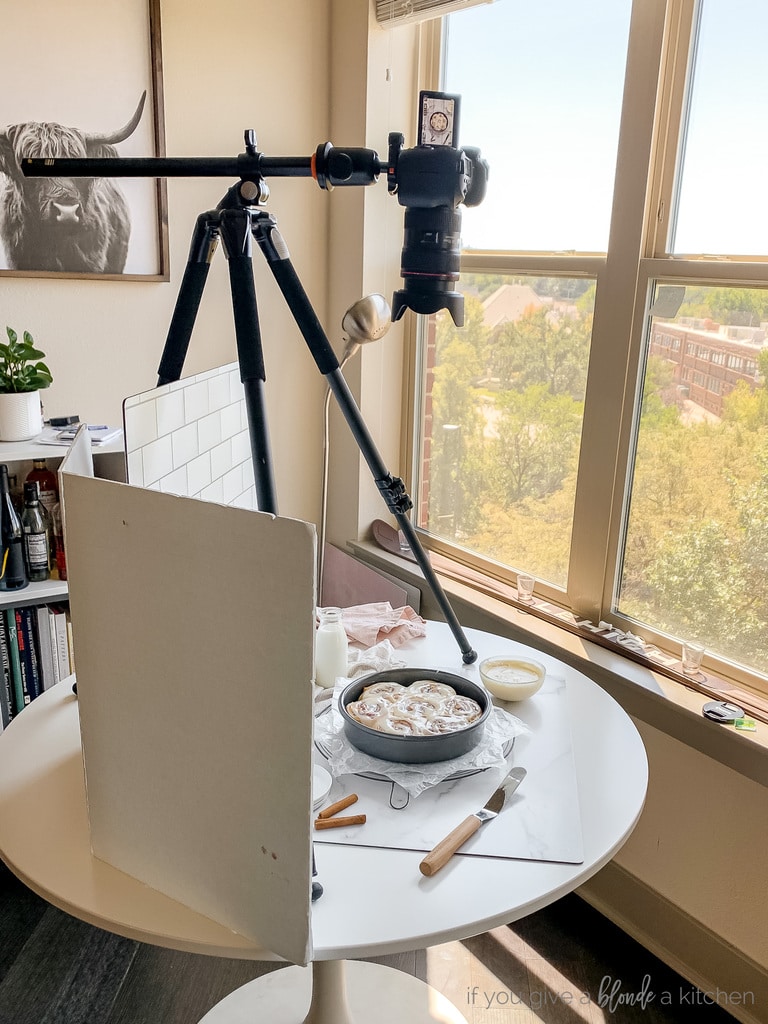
pixel 332 166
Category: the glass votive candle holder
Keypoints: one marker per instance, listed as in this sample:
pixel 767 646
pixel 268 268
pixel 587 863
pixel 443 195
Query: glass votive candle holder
pixel 691 657
pixel 525 585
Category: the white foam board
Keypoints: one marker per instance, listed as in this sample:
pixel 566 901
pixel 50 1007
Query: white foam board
pixel 193 629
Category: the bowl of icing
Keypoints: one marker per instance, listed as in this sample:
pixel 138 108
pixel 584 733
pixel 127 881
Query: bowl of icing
pixel 511 678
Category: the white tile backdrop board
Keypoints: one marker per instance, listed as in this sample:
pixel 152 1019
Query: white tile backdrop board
pixel 191 437
pixel 193 626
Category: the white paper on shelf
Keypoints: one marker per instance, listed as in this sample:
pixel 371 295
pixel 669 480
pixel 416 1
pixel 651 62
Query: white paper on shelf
pixel 62 437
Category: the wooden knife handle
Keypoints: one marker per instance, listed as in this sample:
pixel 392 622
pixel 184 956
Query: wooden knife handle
pixel 445 849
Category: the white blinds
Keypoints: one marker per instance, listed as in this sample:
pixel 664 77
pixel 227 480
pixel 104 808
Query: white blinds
pixel 396 12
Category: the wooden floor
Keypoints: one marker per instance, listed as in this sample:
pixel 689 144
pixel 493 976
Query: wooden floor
pixel 550 967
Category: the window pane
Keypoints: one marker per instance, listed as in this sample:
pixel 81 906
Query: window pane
pixel 541 87
pixel 696 539
pixel 502 419
pixel 722 204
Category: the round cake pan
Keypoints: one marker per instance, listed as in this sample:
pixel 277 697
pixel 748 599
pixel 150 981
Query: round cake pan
pixel 414 749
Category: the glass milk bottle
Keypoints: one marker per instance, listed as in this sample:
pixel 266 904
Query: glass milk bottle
pixel 330 648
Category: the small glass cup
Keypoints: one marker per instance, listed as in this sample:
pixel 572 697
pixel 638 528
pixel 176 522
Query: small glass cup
pixel 525 585
pixel 691 659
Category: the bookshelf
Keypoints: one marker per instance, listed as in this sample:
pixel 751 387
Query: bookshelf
pixel 35 640
pixel 109 463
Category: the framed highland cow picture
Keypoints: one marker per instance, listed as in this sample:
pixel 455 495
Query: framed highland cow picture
pixel 87 85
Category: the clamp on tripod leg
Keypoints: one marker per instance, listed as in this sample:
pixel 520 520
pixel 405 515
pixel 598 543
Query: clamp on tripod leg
pixel 398 502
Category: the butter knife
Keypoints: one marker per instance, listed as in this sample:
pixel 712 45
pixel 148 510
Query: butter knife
pixel 445 849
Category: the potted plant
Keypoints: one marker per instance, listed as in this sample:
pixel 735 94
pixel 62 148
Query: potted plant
pixel 22 375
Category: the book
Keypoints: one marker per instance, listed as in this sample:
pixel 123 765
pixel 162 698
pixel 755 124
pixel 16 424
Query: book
pixel 52 641
pixel 6 682
pixel 43 636
pixel 62 641
pixel 20 698
pixel 28 659
pixel 70 644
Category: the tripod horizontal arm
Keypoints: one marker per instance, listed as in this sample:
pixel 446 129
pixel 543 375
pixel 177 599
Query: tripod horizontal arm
pixel 329 165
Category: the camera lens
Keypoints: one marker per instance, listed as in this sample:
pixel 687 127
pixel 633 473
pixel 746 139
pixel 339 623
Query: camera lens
pixel 429 263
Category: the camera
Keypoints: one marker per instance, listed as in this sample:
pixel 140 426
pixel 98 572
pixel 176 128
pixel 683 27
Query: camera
pixel 431 181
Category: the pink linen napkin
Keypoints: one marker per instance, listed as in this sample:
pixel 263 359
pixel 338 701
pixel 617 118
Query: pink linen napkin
pixel 370 623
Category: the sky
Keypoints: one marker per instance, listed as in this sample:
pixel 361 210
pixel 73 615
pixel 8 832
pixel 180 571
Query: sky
pixel 723 206
pixel 541 84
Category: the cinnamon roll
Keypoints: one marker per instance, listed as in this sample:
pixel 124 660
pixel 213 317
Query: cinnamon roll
pixel 461 707
pixel 368 711
pixel 441 724
pixel 387 689
pixel 419 705
pixel 426 708
pixel 432 687
pixel 398 724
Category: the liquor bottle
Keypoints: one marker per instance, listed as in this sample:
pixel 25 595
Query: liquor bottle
pixel 46 479
pixel 60 555
pixel 16 495
pixel 12 573
pixel 36 527
pixel 330 648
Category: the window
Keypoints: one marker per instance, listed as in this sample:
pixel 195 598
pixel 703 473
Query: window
pixel 602 419
pixel 505 400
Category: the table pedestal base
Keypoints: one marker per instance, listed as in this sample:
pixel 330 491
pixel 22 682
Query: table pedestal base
pixel 335 992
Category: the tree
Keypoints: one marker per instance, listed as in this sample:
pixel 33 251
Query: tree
pixel 473 333
pixel 542 348
pixel 657 387
pixel 456 437
pixel 746 406
pixel 741 307
pixel 538 437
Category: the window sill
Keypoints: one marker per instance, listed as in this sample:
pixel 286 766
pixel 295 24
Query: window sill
pixel 651 697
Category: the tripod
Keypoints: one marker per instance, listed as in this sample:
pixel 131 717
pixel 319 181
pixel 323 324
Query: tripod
pixel 236 221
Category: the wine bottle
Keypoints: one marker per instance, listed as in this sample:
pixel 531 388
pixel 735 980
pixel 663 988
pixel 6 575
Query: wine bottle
pixel 46 479
pixel 35 525
pixel 12 573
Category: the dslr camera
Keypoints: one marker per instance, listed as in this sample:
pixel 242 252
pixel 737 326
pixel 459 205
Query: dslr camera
pixel 432 181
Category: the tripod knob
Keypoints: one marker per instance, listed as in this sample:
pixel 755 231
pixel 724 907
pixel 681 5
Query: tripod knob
pixel 254 191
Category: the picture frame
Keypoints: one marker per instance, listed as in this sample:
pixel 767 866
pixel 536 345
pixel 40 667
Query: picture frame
pixel 72 92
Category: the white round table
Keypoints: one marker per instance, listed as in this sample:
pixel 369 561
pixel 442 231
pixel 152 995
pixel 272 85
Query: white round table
pixel 44 839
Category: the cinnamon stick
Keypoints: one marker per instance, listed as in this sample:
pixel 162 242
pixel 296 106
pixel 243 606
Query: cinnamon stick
pixel 353 819
pixel 338 806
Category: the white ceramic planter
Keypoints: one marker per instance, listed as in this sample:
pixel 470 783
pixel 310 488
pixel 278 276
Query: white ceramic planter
pixel 21 416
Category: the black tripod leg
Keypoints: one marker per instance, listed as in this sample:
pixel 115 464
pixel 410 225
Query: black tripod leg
pixel 236 238
pixel 398 502
pixel 391 488
pixel 201 252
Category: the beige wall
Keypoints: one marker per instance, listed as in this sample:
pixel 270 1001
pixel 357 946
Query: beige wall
pixel 374 80
pixel 701 842
pixel 227 68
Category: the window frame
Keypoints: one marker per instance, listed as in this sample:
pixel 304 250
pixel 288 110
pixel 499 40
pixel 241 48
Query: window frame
pixel 661 51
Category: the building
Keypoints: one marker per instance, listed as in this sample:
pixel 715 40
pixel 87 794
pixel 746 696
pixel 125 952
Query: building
pixel 709 359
